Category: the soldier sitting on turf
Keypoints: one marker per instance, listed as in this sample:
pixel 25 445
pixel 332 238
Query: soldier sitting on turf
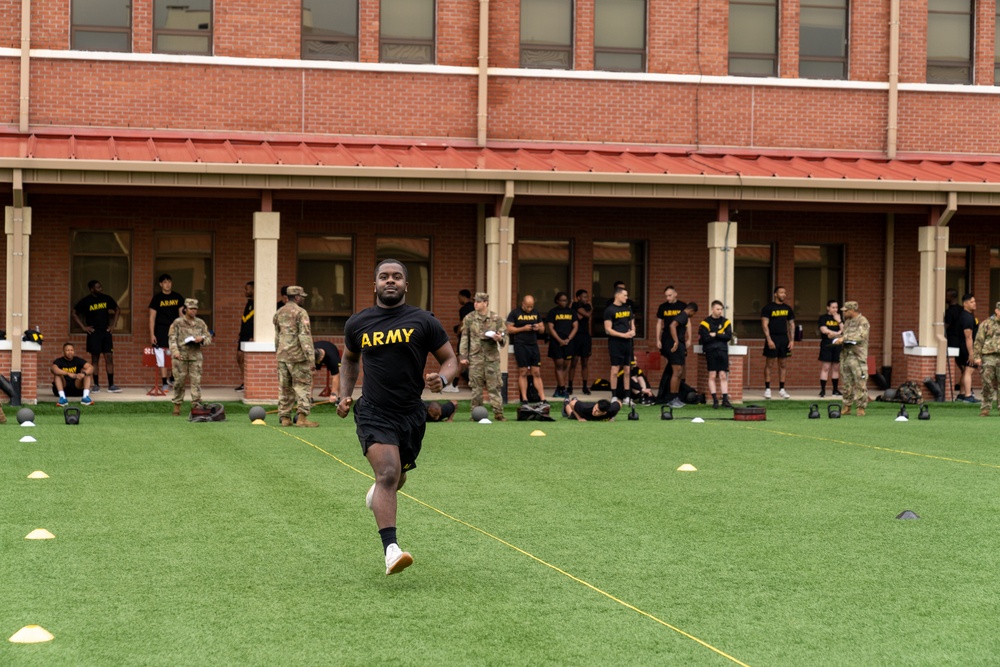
pixel 601 411
pixel 441 411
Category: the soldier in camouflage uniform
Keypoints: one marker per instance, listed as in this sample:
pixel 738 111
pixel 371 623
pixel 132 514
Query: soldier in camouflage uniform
pixel 293 337
pixel 187 335
pixel 480 353
pixel 986 356
pixel 854 358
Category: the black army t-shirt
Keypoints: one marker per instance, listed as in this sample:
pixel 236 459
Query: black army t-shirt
pixel 96 309
pixel 519 318
pixel 778 315
pixel 620 317
pixel 667 312
pixel 562 320
pixel 585 410
pixel 331 360
pixel 74 365
pixel 583 330
pixel 167 307
pixel 393 344
pixel 830 323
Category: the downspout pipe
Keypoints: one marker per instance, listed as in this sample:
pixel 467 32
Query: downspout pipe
pixel 484 43
pixel 893 101
pixel 25 77
pixel 940 275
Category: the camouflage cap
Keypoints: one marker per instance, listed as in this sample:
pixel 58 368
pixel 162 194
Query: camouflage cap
pixel 482 296
pixel 295 290
pixel 851 305
pixel 190 303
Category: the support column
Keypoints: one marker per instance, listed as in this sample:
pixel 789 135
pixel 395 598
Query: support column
pixel 499 260
pixel 17 226
pixel 721 263
pixel 921 361
pixel 261 383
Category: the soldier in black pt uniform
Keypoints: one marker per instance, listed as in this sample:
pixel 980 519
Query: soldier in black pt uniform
pixel 164 308
pixel 97 314
pixel 393 341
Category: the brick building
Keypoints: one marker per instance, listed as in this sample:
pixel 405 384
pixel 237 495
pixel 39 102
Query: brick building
pixel 841 149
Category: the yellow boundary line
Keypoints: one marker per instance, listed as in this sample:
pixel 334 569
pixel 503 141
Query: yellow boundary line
pixel 522 552
pixel 873 447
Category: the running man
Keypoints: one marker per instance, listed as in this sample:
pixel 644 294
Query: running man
pixel 393 339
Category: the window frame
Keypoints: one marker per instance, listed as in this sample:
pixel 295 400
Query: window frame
pixel 168 262
pixel 432 42
pixel 176 32
pixel 544 301
pixel 833 292
pixel 330 322
pixel 542 46
pixel 87 28
pixel 748 325
pixel 763 57
pixel 305 40
pixel 950 65
pixel 636 283
pixel 843 60
pixel 427 296
pixel 959 278
pixel 640 51
pixel 78 285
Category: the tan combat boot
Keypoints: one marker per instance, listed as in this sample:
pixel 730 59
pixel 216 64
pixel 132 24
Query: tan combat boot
pixel 177 410
pixel 286 421
pixel 861 412
pixel 984 412
pixel 846 411
pixel 303 422
pixel 498 417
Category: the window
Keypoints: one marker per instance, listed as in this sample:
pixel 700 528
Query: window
pixel 329 29
pixel 753 275
pixel 957 265
pixel 105 256
pixel 620 35
pixel 994 278
pixel 415 253
pixel 547 34
pixel 823 39
pixel 102 25
pixel 753 37
pixel 187 257
pixel 819 277
pixel 406 31
pixel 182 28
pixel 543 270
pixel 614 261
pixel 996 50
pixel 949 41
pixel 326 268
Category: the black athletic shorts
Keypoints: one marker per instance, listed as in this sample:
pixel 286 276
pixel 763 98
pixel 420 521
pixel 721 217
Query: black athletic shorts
pixel 527 356
pixel 718 360
pixel 100 342
pixel 678 358
pixel 780 350
pixel 963 356
pixel 404 430
pixel 71 388
pixel 557 351
pixel 582 346
pixel 620 351
pixel 162 336
pixel 830 353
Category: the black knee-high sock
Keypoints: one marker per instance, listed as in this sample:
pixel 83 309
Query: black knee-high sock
pixel 822 385
pixel 835 381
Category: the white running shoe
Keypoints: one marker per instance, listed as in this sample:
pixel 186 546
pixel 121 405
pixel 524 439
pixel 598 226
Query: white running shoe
pixel 783 393
pixel 767 393
pixel 450 389
pixel 369 496
pixel 396 560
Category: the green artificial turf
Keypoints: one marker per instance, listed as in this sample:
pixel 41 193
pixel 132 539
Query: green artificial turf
pixel 226 543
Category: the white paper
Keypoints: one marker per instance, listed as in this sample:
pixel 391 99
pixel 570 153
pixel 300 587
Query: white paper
pixel 489 334
pixel 189 339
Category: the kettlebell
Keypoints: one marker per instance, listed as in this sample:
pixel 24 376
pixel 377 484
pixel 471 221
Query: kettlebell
pixel 666 412
pixel 72 416
pixel 903 413
pixel 925 412
pixel 833 411
pixel 633 416
pixel 814 411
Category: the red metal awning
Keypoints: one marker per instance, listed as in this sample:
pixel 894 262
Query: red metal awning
pixel 165 148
